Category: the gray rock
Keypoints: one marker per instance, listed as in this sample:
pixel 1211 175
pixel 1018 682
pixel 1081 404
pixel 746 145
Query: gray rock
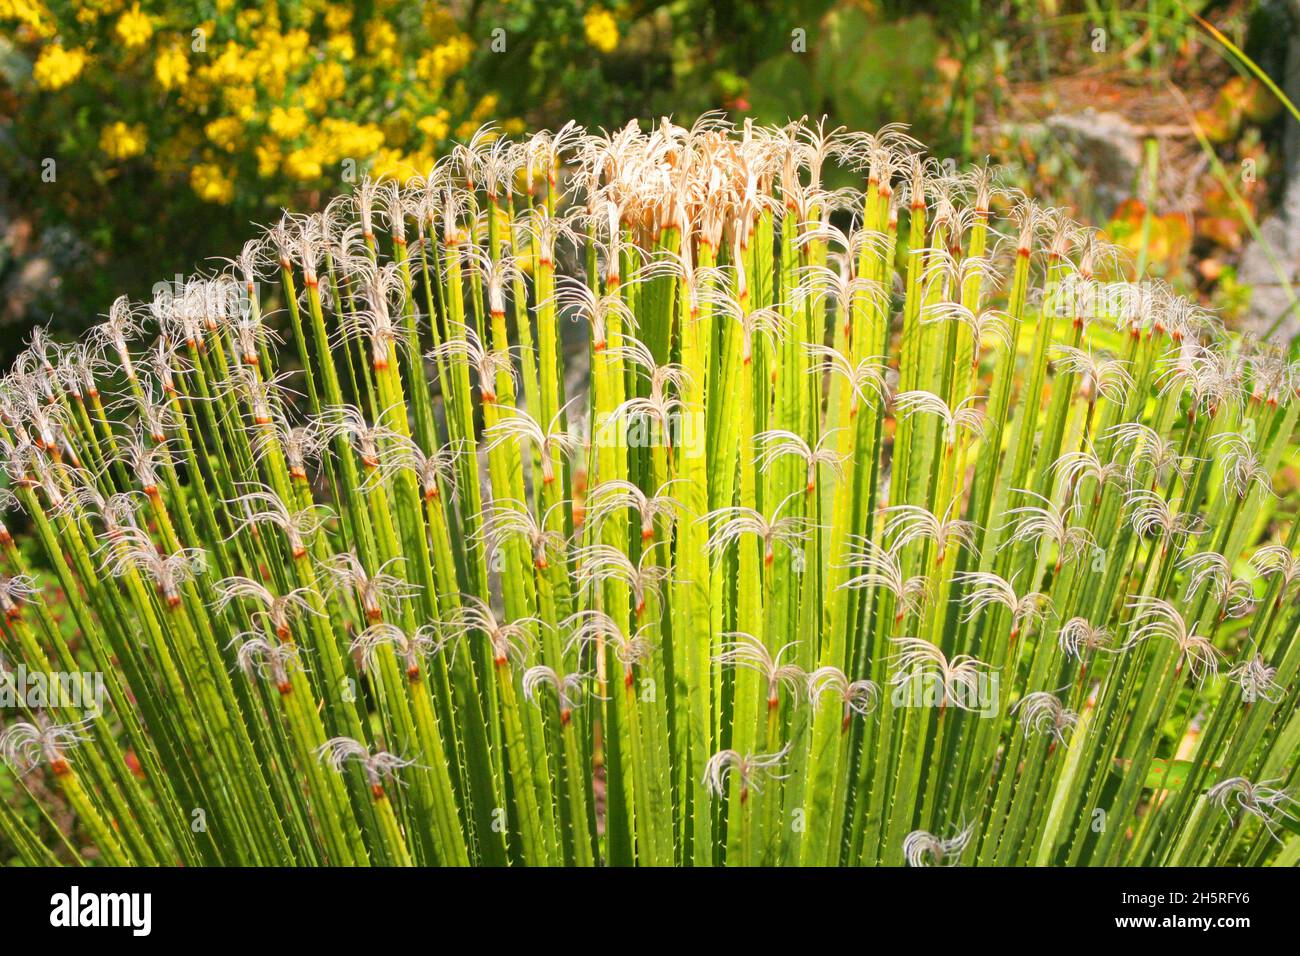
pixel 1108 146
pixel 1268 298
pixel 1280 231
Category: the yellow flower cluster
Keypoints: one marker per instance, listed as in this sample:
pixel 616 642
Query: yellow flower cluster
pixel 269 158
pixel 338 18
pixel 332 141
pixel 238 71
pixel 339 138
pixel 436 126
pixel 56 67
pixel 303 164
pixel 381 43
pixel 171 68
pixel 226 133
pixel 341 46
pixel 287 123
pixel 211 184
pixel 119 142
pixel 33 16
pixel 601 29
pixel 394 164
pixel 134 28
pixel 444 59
pixel 326 84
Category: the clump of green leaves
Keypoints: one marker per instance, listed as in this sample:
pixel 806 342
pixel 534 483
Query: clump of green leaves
pixel 890 524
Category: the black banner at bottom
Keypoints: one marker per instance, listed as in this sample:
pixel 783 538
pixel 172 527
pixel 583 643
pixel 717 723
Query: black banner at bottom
pixel 767 906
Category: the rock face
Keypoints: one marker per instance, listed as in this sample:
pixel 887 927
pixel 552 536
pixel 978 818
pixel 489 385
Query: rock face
pixel 1105 144
pixel 1270 298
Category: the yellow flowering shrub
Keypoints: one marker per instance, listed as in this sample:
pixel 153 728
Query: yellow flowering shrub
pixel 303 164
pixel 119 142
pixel 26 13
pixel 211 183
pixel 171 68
pixel 381 42
pixel 226 133
pixel 337 18
pixel 434 126
pixel 252 105
pixel 601 29
pixel 134 28
pixel 56 67
pixel 444 59
pixel 287 123
pixel 269 158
